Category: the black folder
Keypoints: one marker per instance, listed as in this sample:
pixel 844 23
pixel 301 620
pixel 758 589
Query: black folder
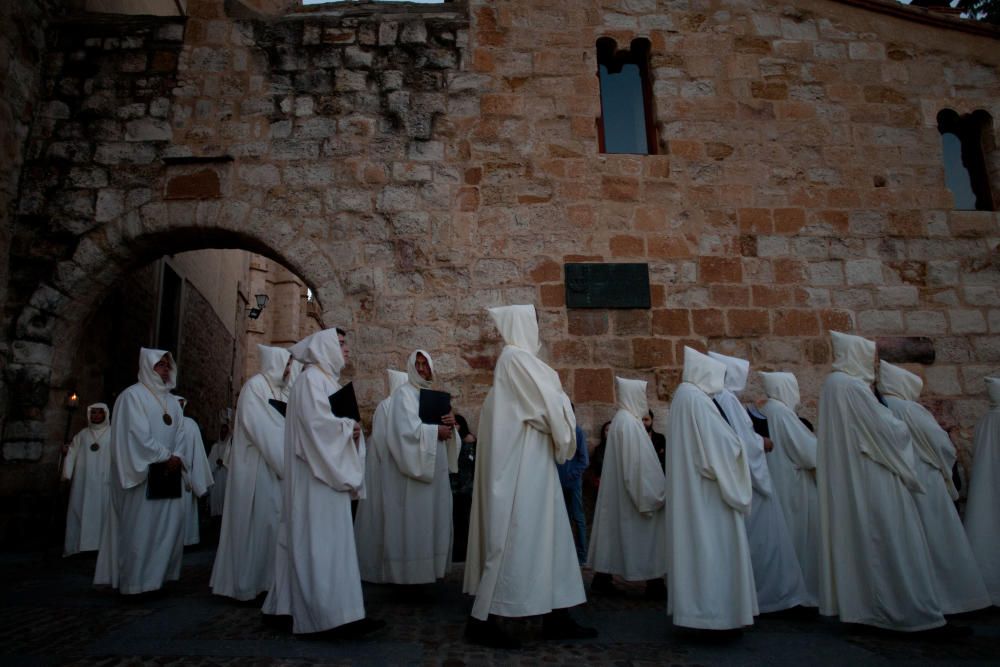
pixel 344 403
pixel 161 483
pixel 280 406
pixel 434 405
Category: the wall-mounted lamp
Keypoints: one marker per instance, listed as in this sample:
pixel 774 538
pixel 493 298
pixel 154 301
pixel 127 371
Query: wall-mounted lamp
pixel 262 300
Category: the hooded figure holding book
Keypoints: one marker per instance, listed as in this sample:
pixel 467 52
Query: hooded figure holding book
pixel 316 576
pixel 416 490
pixel 244 562
pixel 143 541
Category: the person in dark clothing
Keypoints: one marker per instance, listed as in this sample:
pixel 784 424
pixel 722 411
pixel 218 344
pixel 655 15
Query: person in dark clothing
pixel 659 440
pixel 461 489
pixel 592 476
pixel 571 479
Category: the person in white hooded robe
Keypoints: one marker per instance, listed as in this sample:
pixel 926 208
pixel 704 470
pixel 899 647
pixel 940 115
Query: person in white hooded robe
pixel 317 581
pixel 875 567
pixel 521 558
pixel 218 457
pixel 776 570
pixel 710 579
pixel 143 541
pixel 87 463
pixel 368 521
pixel 959 584
pixel 982 511
pixel 201 471
pixel 244 562
pixel 792 464
pixel 416 489
pixel 629 536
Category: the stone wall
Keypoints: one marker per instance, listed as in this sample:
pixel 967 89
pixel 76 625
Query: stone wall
pixel 417 164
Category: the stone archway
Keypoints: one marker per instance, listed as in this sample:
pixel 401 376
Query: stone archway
pixel 49 327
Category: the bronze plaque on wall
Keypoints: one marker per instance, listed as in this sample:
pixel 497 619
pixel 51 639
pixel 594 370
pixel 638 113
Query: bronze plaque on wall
pixel 594 285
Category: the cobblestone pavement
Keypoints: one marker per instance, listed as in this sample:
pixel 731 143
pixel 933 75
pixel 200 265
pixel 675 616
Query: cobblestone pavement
pixel 50 614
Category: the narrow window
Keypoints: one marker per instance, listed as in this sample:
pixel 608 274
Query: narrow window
pixel 626 124
pixel 963 140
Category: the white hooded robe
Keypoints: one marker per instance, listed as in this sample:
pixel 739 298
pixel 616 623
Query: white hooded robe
pixel 88 465
pixel 629 537
pixel 792 464
pixel 368 521
pixel 982 512
pixel 776 570
pixel 416 490
pixel 875 567
pixel 244 562
pixel 521 558
pixel 197 480
pixel 317 580
pixel 143 541
pixel 960 586
pixel 709 575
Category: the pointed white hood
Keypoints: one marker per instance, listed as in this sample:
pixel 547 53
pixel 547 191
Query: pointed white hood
pixel 321 349
pixel 737 371
pixel 413 376
pixel 518 325
pixel 272 362
pixel 782 387
pixel 853 355
pixel 147 376
pixel 703 372
pixel 396 379
pixel 899 382
pixel 630 395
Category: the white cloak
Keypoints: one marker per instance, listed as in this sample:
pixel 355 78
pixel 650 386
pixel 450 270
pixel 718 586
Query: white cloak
pixel 143 541
pixel 776 571
pixel 218 458
pixel 629 536
pixel 792 464
pixel 89 496
pixel 521 558
pixel 199 476
pixel 875 566
pixel 368 520
pixel 709 574
pixel 416 490
pixel 959 584
pixel 982 512
pixel 317 580
pixel 244 561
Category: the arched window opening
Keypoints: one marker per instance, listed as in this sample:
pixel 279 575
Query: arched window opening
pixel 965 142
pixel 627 121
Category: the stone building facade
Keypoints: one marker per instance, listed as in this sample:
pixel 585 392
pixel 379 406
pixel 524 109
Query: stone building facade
pixel 415 164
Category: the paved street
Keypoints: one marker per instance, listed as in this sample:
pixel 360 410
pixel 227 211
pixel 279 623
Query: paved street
pixel 49 614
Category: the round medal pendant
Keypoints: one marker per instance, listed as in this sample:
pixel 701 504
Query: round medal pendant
pixel 167 420
pixel 94 446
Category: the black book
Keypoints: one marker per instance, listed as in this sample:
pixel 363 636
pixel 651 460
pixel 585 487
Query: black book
pixel 344 403
pixel 759 422
pixel 434 405
pixel 280 406
pixel 161 483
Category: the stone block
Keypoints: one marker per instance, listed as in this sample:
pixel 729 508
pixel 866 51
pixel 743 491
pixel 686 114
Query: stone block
pixel 631 322
pixel 795 323
pixel 413 32
pixel 708 322
pixel 201 184
pixel 967 321
pixel 880 322
pixel 942 381
pixel 926 322
pixel 148 129
pixel 671 322
pixel 489 272
pixel 747 322
pixel 720 270
pixel 864 272
pixel 652 352
pixel 587 322
pixel 593 385
pixel 110 205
